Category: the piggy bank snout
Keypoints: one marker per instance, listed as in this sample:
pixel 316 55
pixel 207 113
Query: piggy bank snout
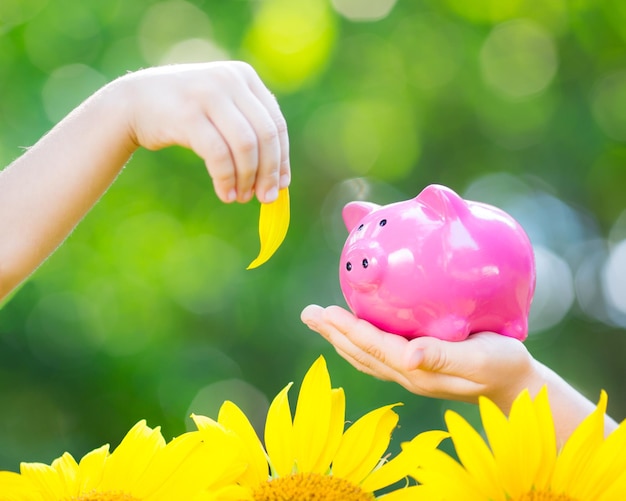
pixel 362 269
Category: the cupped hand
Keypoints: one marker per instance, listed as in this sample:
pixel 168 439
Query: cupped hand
pixel 224 113
pixel 485 363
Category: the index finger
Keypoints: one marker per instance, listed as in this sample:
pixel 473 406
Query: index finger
pixel 371 347
pixel 268 100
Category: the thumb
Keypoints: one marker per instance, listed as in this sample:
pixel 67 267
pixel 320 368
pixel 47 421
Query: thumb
pixel 432 354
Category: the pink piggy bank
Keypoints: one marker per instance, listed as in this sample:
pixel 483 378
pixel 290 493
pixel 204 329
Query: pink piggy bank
pixel 437 265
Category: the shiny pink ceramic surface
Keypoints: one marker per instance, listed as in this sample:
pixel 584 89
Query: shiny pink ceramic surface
pixel 437 265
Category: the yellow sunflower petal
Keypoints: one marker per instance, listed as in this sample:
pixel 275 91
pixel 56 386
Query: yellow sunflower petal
pixel 616 491
pixel 233 418
pixel 14 486
pixel 548 438
pixel 228 493
pixel 364 443
pixel 203 422
pixel 412 493
pixel 526 443
pixel 574 460
pixel 90 469
pixel 279 434
pixel 495 424
pixel 503 442
pixel 214 434
pixel 335 431
pixel 131 457
pixel 46 479
pixel 444 478
pixel 474 454
pixel 273 225
pixel 606 466
pixel 197 460
pixel 405 462
pixel 312 418
pixel 67 470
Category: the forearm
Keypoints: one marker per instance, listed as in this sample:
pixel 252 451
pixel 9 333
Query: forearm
pixel 46 192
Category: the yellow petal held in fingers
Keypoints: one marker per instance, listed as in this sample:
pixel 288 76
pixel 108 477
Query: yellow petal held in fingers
pixel 273 225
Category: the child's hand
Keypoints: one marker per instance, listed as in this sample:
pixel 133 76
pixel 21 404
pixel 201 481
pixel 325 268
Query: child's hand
pixel 487 364
pixel 223 112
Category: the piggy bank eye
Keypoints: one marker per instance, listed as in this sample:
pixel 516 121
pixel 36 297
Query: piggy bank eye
pixel 382 222
pixel 349 266
pixel 360 227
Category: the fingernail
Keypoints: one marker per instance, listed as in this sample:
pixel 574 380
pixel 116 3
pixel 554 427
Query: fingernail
pixel 284 181
pixel 415 359
pixel 308 319
pixel 232 196
pixel 271 195
pixel 247 196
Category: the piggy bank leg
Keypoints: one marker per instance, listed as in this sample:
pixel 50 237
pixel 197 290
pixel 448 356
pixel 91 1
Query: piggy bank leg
pixel 518 329
pixel 448 328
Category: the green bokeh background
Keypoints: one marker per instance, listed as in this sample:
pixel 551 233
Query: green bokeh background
pixel 147 311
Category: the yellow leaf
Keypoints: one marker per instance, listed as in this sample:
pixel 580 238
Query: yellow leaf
pixel 273 225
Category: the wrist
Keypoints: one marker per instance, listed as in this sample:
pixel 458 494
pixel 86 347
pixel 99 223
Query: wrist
pixel 529 375
pixel 537 377
pixel 116 104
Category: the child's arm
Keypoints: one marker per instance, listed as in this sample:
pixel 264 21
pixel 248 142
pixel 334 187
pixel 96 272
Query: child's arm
pixel 222 111
pixel 488 364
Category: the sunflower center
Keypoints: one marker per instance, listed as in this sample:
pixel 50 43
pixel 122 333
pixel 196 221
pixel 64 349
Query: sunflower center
pixel 104 496
pixel 310 487
pixel 544 496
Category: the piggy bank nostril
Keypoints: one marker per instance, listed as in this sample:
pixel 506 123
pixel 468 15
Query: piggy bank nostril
pixel 365 263
pixel 349 266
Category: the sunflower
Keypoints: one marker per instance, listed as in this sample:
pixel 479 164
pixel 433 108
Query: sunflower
pixel 311 456
pixel 522 463
pixel 142 468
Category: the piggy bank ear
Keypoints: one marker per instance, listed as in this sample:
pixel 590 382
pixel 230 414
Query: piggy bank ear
pixel 353 212
pixel 443 201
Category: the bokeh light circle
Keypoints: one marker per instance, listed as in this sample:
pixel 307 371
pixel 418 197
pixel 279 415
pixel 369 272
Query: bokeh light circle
pixel 613 273
pixel 363 10
pixel 247 397
pixel 166 24
pixel 609 104
pixel 554 292
pixel 374 137
pixel 289 43
pixel 194 50
pixel 82 79
pixel 518 59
